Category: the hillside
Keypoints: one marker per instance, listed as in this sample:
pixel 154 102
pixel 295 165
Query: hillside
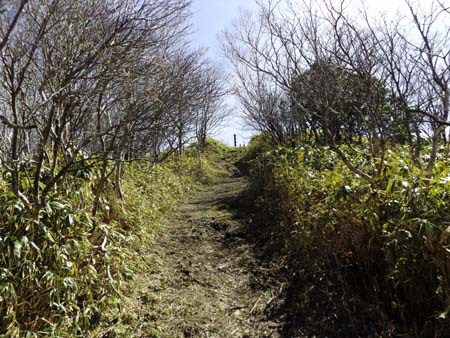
pixel 202 277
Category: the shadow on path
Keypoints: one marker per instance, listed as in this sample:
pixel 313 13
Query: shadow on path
pixel 205 278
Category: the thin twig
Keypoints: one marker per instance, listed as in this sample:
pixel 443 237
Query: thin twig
pixel 254 306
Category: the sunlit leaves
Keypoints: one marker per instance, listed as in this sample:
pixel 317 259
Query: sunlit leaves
pixel 391 233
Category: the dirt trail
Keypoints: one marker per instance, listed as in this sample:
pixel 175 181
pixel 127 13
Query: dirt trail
pixel 205 280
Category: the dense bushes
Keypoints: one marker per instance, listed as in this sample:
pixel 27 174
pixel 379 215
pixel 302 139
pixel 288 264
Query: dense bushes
pixel 63 272
pixel 380 248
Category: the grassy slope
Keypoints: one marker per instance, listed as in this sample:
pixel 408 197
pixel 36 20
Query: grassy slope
pixel 200 277
pixel 67 274
pixel 365 260
pixel 150 195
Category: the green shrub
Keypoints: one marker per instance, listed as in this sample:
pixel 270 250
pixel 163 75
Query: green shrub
pixel 200 168
pixel 385 249
pixel 64 272
pixel 57 269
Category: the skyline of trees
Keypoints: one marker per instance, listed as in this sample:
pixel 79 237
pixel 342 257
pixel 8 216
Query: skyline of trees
pixel 98 82
pixel 318 70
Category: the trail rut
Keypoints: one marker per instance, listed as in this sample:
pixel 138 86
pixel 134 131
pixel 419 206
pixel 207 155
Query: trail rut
pixel 205 280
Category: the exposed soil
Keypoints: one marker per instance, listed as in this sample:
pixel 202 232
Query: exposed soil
pixel 215 272
pixel 204 277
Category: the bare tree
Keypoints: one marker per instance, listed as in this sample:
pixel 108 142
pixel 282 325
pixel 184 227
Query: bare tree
pixel 344 77
pixel 75 80
pixel 210 110
pixel 433 63
pixel 7 29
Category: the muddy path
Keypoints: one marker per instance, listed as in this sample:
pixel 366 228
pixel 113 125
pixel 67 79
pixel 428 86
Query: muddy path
pixel 204 278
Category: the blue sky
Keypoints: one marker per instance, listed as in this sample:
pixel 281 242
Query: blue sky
pixel 210 18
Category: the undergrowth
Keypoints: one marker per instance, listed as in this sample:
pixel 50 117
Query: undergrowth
pixel 365 260
pixel 65 272
pixel 201 168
